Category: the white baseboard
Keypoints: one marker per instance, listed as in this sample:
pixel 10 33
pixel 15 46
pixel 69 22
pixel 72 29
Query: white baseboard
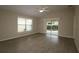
pixel 66 36
pixel 17 36
pixel 4 39
pixel 77 44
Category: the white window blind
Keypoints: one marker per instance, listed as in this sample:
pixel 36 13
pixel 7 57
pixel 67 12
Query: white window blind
pixel 24 24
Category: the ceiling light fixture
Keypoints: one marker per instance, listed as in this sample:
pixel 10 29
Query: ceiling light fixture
pixel 41 10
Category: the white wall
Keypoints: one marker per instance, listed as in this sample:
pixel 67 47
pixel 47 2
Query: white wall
pixel 8 25
pixel 76 27
pixel 65 22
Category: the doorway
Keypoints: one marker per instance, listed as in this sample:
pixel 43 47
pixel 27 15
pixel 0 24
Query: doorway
pixel 52 27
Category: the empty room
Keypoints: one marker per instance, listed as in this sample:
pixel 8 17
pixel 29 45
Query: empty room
pixel 39 29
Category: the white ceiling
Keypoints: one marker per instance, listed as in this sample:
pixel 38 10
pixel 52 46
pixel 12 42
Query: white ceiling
pixel 32 10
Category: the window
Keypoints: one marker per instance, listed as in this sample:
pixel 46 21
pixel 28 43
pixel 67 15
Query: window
pixel 28 24
pixel 24 24
pixel 21 24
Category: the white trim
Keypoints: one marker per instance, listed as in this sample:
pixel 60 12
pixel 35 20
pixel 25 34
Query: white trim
pixel 77 44
pixel 62 35
pixel 30 34
pixel 66 36
pixel 16 37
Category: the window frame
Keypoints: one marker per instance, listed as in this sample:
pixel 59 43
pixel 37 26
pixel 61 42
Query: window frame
pixel 25 25
pixel 28 25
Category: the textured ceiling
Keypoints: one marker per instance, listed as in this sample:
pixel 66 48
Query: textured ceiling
pixel 32 10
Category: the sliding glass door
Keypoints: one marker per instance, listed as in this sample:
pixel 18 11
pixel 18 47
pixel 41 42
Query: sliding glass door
pixel 52 27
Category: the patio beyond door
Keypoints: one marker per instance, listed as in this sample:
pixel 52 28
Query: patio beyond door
pixel 52 27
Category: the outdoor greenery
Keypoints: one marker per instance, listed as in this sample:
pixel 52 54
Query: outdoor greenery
pixel 53 27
